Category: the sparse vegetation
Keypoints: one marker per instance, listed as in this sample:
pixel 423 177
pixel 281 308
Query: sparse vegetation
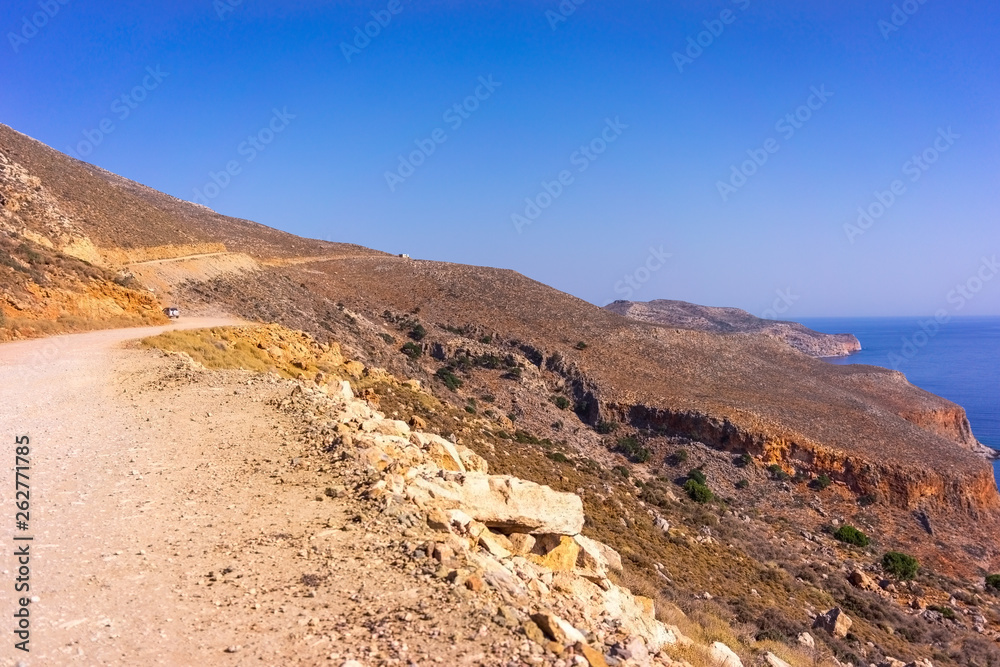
pixel 697 475
pixel 822 482
pixel 633 449
pixel 558 457
pixel 850 535
pixel 744 460
pixel 561 402
pixel 902 566
pixel 605 427
pixel 450 380
pixel 743 484
pixel 412 350
pixel 581 346
pixel 679 457
pixel 417 332
pixel 387 338
pixel 697 491
pixel 993 582
pixel 778 473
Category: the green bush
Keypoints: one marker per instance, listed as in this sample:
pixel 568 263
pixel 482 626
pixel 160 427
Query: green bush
pixel 418 332
pixel 823 481
pixel 778 473
pixel 743 484
pixel 697 492
pixel 678 457
pixel 561 402
pixel 412 350
pixel 450 380
pixel 900 565
pixel 622 470
pixel 851 535
pixel 581 345
pixel 558 457
pixel 697 476
pixel 605 427
pixel 744 461
pixel 993 581
pixel 947 612
pixel 387 338
pixel 633 449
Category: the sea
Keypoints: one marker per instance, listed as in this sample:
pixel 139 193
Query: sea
pixel 958 359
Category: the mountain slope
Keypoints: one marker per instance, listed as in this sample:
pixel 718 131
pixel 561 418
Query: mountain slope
pixel 684 315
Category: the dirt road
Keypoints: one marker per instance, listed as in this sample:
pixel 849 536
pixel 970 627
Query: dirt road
pixel 178 520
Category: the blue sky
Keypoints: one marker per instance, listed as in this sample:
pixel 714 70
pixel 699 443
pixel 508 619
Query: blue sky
pixel 641 130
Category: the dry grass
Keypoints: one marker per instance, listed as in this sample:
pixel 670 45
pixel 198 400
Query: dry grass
pixel 228 347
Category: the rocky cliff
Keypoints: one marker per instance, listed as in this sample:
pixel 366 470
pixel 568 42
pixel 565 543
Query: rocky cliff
pixel 684 315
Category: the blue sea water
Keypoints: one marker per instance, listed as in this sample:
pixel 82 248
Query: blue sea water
pixel 959 360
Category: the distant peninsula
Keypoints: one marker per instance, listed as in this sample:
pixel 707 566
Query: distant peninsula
pixel 684 315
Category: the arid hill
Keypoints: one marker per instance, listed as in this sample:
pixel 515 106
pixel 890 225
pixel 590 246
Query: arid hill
pixel 867 428
pixel 684 315
pixel 554 390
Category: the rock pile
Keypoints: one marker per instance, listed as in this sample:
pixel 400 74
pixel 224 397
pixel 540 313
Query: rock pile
pixel 513 541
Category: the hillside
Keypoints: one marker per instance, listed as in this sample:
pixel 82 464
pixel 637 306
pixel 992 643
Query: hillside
pixel 570 395
pixel 684 315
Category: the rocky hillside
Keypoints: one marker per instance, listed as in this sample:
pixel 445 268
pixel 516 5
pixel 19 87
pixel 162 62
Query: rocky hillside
pixel 594 563
pixel 684 315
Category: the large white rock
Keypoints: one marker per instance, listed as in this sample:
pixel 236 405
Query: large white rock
pixel 503 502
pixel 723 656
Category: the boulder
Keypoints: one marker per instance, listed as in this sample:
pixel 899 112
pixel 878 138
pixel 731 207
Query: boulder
pixel 557 629
pixel 596 559
pixel 774 661
pixel 723 656
pixel 496 544
pixel 861 580
pixel 806 639
pixel 835 621
pixel 593 657
pixel 521 543
pixel 558 553
pixel 503 502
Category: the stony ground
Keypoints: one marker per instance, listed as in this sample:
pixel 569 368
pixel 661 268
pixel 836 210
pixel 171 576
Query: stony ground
pixel 178 519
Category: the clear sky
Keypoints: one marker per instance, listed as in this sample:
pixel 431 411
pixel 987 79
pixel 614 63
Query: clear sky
pixel 653 140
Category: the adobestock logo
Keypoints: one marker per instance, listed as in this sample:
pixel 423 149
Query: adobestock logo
pixel 787 125
pixel 633 282
pixel 959 296
pixel 248 149
pixel 122 108
pixel 696 44
pixel 455 116
pixel 781 304
pixel 363 37
pixel 913 169
pixel 30 26
pixel 582 158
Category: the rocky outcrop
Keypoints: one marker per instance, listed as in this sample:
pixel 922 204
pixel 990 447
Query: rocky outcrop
pixel 684 315
pixel 496 534
pixel 835 621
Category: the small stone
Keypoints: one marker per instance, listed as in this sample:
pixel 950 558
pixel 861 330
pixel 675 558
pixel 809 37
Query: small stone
pixel 232 649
